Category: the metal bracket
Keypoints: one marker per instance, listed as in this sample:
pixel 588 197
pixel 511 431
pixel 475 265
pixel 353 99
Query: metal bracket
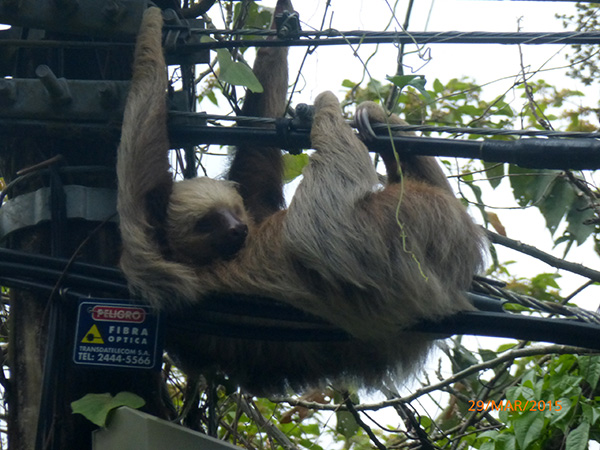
pixel 178 35
pixel 288 25
pixel 51 98
pixel 92 204
pixel 110 18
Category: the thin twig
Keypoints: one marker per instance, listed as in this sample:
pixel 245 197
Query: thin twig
pixel 553 261
pixel 508 356
pixel 361 423
pixel 269 428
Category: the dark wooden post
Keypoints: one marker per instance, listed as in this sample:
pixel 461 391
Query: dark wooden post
pixel 40 321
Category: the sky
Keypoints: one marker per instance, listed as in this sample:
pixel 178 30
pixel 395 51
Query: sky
pixel 328 66
pixel 482 62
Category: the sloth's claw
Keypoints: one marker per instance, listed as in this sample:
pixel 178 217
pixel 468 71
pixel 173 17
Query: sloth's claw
pixel 363 125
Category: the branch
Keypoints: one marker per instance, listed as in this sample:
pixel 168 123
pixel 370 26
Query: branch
pixel 553 261
pixel 271 430
pixel 508 356
pixel 361 423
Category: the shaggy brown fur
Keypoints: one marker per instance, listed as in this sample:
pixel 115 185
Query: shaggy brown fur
pixel 372 261
pixel 257 169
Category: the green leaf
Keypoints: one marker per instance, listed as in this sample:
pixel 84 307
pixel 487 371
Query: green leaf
pixel 505 442
pixel 502 108
pixel 494 173
pixel 567 386
pixel 259 17
pixel 416 81
pixel 236 72
pixel 556 203
pixel 580 212
pixel 578 439
pixel 213 98
pixel 346 423
pixel 543 281
pixel 530 185
pixel 469 110
pixel 590 413
pixel 348 84
pixel 487 355
pixel 565 405
pixel 506 347
pixel 374 89
pixel 96 407
pixel 293 165
pixel 309 443
pixel 438 87
pixel 590 369
pixel 528 427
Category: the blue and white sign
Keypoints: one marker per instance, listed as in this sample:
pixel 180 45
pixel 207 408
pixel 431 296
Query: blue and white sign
pixel 117 333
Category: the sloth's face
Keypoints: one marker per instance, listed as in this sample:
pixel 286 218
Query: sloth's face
pixel 206 221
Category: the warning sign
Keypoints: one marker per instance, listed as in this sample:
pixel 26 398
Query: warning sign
pixel 93 336
pixel 117 333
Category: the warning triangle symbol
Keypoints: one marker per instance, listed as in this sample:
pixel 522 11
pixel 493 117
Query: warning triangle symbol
pixel 92 336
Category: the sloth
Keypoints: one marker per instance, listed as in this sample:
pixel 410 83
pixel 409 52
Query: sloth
pixel 370 260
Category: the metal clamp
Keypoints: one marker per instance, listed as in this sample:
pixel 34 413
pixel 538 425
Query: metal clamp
pixel 92 204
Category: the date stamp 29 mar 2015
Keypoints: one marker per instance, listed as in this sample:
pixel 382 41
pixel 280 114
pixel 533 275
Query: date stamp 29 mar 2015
pixel 516 405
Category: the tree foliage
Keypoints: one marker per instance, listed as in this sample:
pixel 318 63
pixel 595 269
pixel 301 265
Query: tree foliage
pixel 584 59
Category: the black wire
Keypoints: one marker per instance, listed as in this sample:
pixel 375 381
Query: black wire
pixel 25 271
pixel 560 154
pixel 267 319
pixel 200 119
pixel 486 323
pixel 59 264
pixel 335 37
pixel 534 153
pixel 486 131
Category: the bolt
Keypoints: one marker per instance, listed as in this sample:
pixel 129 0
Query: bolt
pixel 113 11
pixel 57 88
pixel 108 95
pixel 170 17
pixel 8 91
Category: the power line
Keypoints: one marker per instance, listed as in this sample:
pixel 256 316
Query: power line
pixel 335 37
pixel 533 153
pixel 248 120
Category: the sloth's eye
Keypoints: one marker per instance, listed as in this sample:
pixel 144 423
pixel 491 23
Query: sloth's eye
pixel 205 225
pixel 239 211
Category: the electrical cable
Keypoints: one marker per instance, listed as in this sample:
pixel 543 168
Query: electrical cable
pixel 253 318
